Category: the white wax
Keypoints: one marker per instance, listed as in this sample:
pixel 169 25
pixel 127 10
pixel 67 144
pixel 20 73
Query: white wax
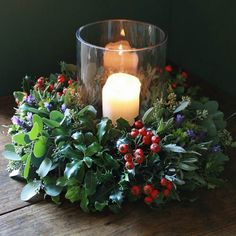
pixel 120 97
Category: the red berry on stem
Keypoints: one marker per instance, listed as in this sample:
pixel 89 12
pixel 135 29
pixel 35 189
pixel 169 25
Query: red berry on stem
pixel 173 85
pixel 136 190
pixel 149 133
pixel 139 159
pixel 51 87
pixel 123 148
pixel 168 68
pixel 147 140
pixel 154 193
pixel 155 148
pixel 128 157
pixel 147 189
pixel 169 185
pixel 70 81
pixel 156 139
pixel 40 81
pixel 61 79
pixel 129 165
pixel 164 182
pixel 139 152
pixel 138 124
pixel 134 133
pixel 142 131
pixel 184 74
pixel 59 94
pixel 148 200
pixel 166 192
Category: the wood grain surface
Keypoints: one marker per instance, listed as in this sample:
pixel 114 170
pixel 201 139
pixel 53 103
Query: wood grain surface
pixel 213 214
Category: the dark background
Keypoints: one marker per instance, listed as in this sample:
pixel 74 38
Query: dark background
pixel 37 34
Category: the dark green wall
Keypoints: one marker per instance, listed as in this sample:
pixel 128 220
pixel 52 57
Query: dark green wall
pixel 37 34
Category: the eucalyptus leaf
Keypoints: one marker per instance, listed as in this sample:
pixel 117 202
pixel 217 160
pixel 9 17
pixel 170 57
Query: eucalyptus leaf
pixel 44 168
pixel 56 116
pixel 40 146
pixel 30 190
pixel 34 131
pixel 10 154
pixel 182 106
pixel 52 190
pixel 37 119
pixel 19 138
pixel 174 148
pixel 27 166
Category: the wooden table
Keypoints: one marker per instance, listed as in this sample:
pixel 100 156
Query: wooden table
pixel 213 214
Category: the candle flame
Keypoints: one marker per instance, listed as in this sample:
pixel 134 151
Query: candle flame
pixel 122 32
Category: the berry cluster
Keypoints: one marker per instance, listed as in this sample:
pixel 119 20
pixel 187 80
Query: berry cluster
pixel 152 193
pixel 59 87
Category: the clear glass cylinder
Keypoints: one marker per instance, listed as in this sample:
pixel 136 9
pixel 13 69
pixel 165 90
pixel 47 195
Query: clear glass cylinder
pixel 117 46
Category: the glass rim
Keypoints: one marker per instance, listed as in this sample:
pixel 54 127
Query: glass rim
pixel 79 31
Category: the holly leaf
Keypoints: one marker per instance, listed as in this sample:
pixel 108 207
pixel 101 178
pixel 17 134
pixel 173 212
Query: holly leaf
pixel 122 124
pixel 88 111
pixel 72 168
pixel 102 128
pixel 90 181
pixel 88 161
pixel 92 149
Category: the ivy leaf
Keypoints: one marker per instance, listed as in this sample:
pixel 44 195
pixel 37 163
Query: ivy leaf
pixel 92 149
pixel 27 166
pixel 44 168
pixel 30 190
pixel 90 181
pixel 72 168
pixel 33 134
pixel 40 147
pixel 174 148
pixel 103 126
pixel 182 106
pixel 51 123
pixel 56 116
pixel 52 190
pixel 37 119
pixel 88 161
pixel 10 154
pixel 99 206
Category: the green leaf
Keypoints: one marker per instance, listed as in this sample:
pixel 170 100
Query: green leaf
pixel 99 206
pixel 37 119
pixel 33 134
pixel 52 190
pixel 19 138
pixel 10 154
pixel 84 200
pixel 103 126
pixel 88 111
pixel 56 116
pixel 148 116
pixel 51 123
pixel 19 95
pixel 88 161
pixel 40 146
pixel 174 148
pixel 72 168
pixel 187 167
pixel 78 136
pixel 211 106
pixel 190 160
pixel 110 162
pixel 30 190
pixel 122 124
pixel 182 106
pixel 44 168
pixel 92 149
pixel 73 193
pixel 90 181
pixel 27 166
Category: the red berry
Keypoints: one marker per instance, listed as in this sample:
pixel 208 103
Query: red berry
pixel 138 124
pixel 136 190
pixel 166 192
pixel 59 94
pixel 155 148
pixel 169 185
pixel 40 80
pixel 134 133
pixel 148 200
pixel 142 131
pixel 147 189
pixel 71 81
pixel 164 182
pixel 173 85
pixel 168 68
pixel 60 79
pixel 184 74
pixel 128 157
pixel 154 193
pixel 51 87
pixel 129 165
pixel 156 139
pixel 139 159
pixel 139 152
pixel 149 133
pixel 123 148
pixel 147 140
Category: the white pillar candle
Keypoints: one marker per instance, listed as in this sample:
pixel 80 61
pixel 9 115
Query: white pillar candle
pixel 120 97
